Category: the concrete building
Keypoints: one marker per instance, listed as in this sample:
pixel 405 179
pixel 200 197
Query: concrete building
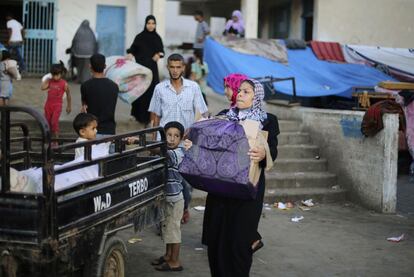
pixel 51 24
pixel 368 22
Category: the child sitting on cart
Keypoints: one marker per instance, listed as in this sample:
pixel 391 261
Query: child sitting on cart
pixel 30 180
pixel 86 126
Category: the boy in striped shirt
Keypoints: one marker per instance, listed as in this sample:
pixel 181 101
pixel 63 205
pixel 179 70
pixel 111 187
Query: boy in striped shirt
pixel 176 200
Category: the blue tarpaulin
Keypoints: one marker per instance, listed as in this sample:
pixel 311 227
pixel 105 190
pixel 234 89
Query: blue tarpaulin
pixel 313 77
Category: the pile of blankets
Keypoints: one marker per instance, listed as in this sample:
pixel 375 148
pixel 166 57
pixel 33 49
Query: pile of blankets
pixel 218 162
pixel 396 62
pixel 132 78
pixel 31 180
pixel 267 48
pixel 372 121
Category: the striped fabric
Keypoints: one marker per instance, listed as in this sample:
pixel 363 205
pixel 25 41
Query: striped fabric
pixel 329 51
pixel 174 187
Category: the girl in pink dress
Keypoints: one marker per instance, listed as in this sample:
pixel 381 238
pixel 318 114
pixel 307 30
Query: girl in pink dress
pixel 56 88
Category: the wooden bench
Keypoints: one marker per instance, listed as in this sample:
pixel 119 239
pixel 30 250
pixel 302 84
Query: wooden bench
pixel 396 85
pixel 364 96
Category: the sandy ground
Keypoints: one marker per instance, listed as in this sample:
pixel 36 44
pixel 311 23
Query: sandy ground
pixel 331 240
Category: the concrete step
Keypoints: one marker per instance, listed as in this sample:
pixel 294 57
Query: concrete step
pixel 291 151
pixel 290 126
pixel 283 103
pixel 300 165
pixel 293 138
pixel 325 195
pixel 281 180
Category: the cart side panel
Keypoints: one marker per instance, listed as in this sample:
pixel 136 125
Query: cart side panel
pixel 93 205
pixel 20 219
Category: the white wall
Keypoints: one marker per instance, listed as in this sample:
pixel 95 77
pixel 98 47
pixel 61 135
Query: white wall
pixel 70 14
pixel 179 28
pixel 367 22
pixel 217 25
pixel 144 8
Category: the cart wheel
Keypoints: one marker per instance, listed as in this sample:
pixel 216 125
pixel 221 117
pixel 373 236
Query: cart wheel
pixel 111 263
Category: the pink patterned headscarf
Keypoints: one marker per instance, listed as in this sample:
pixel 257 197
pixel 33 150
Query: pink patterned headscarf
pixel 256 112
pixel 233 81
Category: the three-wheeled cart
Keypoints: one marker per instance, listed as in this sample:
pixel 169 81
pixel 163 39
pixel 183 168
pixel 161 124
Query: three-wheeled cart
pixel 73 231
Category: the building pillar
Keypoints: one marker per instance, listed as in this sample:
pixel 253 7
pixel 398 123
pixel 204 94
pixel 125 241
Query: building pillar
pixel 158 10
pixel 250 10
pixel 315 29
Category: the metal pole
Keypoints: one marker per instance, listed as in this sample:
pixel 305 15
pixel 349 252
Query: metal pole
pixel 5 150
pixel 294 90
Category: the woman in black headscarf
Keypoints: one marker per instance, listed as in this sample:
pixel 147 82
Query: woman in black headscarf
pixel 84 45
pixel 147 49
pixel 230 224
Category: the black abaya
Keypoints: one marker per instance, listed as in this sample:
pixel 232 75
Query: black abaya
pixel 230 225
pixel 146 44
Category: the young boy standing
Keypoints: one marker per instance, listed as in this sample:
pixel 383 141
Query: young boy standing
pixel 99 96
pixel 201 32
pixel 175 200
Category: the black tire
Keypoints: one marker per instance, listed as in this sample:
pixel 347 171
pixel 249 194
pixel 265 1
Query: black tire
pixel 111 263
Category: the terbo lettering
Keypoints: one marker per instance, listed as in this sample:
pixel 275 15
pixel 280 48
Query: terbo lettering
pixel 138 187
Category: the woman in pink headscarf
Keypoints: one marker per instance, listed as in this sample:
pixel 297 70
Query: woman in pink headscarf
pixel 235 26
pixel 231 86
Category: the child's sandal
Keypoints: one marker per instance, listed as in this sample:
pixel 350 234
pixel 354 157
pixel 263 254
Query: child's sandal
pixel 158 261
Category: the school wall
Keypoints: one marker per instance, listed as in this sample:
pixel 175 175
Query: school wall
pixel 367 167
pixel 366 22
pixel 181 28
pixel 70 14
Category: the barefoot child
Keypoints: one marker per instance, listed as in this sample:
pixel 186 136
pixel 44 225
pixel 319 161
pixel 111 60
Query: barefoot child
pixel 56 88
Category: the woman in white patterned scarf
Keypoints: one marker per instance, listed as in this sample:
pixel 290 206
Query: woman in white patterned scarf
pixel 245 109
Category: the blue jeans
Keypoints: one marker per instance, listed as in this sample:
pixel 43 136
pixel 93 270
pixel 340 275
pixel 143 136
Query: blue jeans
pixel 15 48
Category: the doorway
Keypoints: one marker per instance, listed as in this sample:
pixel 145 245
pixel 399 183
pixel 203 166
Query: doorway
pixel 280 21
pixel 405 181
pixel 13 7
pixel 39 21
pixel 307 20
pixel 111 33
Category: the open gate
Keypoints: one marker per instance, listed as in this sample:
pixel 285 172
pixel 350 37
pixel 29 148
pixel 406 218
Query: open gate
pixel 39 21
